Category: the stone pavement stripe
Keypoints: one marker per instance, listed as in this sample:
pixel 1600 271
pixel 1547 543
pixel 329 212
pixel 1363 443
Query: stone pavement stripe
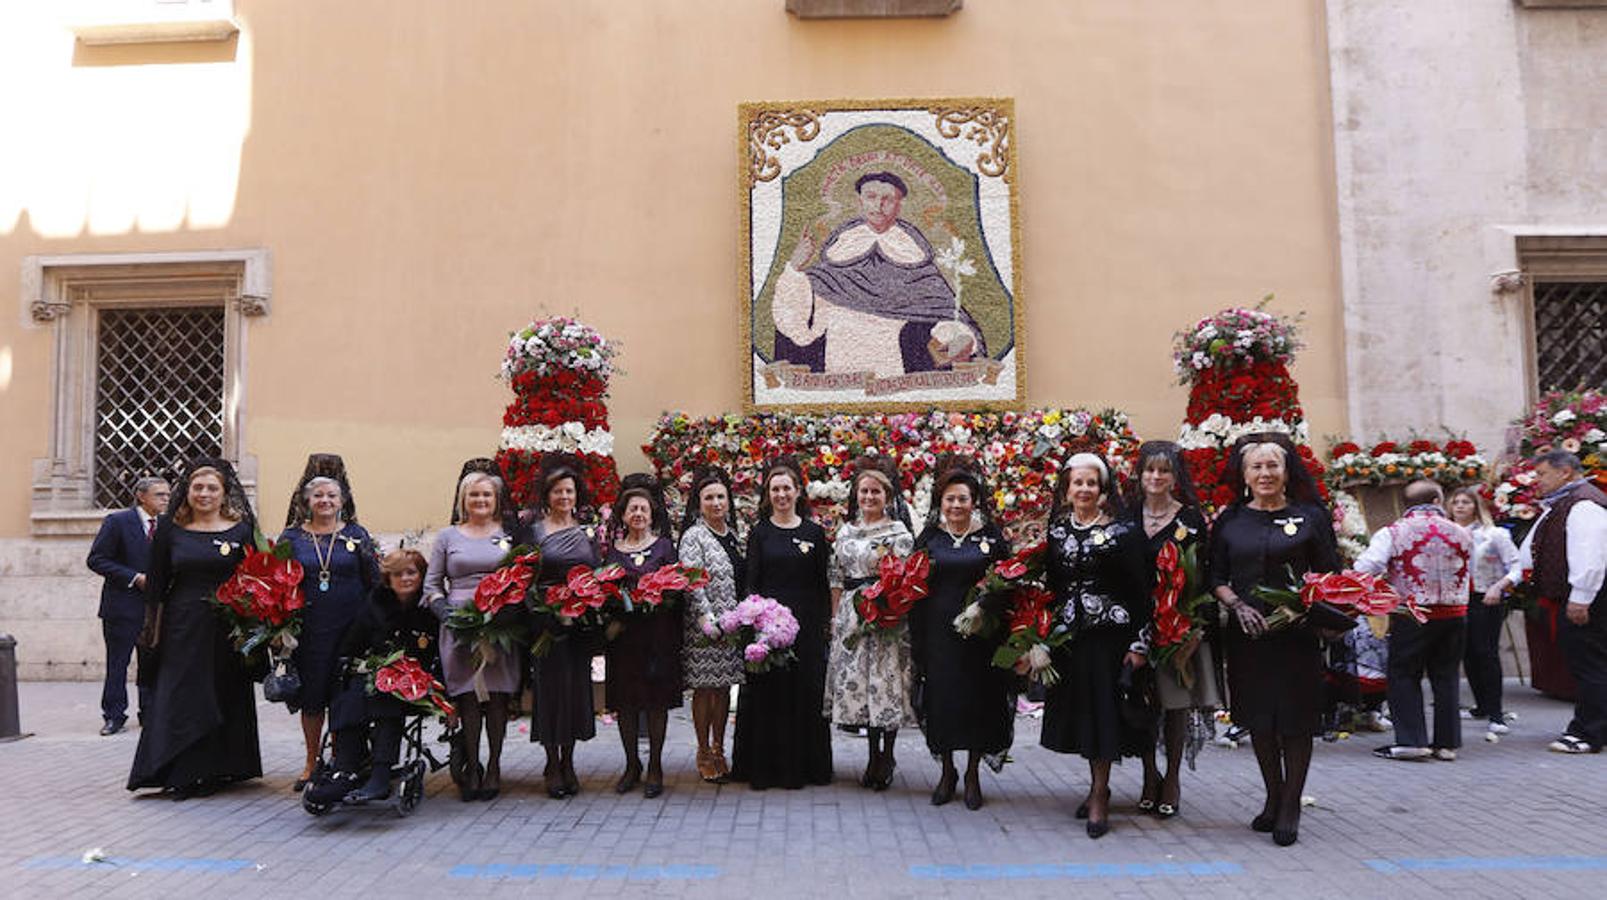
pixel 584 872
pixel 1490 863
pixel 153 864
pixel 1074 870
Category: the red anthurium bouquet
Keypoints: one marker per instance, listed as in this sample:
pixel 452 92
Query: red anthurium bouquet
pixel 1347 594
pixel 1178 623
pixel 660 586
pixel 1035 629
pixel 404 678
pixel 490 621
pixel 262 600
pixel 885 602
pixel 581 597
pixel 1024 569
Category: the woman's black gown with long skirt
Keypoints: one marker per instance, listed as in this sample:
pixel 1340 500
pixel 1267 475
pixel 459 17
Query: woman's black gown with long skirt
pixel 965 702
pixel 561 680
pixel 1275 682
pixel 782 736
pixel 201 729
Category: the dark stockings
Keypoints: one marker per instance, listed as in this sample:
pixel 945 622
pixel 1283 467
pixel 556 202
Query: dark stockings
pixel 1284 762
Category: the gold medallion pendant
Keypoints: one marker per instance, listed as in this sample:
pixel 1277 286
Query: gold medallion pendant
pixel 1290 529
pixel 1181 532
pixel 1098 537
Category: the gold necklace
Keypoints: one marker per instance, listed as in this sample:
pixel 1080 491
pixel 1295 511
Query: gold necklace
pixel 323 559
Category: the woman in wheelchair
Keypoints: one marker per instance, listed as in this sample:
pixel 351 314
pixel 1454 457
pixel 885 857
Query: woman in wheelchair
pixel 369 726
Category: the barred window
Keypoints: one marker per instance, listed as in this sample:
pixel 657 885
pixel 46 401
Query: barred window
pixel 148 372
pixel 1570 328
pixel 158 394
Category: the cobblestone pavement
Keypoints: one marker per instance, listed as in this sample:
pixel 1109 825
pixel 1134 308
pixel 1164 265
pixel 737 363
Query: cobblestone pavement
pixel 1506 819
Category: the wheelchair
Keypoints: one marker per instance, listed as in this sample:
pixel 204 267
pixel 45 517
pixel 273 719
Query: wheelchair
pixel 407 776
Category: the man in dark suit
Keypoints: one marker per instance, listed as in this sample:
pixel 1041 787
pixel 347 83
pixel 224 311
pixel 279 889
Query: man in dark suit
pixel 120 554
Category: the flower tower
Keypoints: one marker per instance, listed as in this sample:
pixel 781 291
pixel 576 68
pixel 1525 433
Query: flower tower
pixel 1575 421
pixel 559 370
pixel 1236 364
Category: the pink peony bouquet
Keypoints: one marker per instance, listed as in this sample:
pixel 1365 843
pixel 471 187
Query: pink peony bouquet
pixel 763 628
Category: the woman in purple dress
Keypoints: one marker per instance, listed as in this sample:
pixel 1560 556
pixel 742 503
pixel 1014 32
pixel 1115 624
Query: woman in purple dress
pixel 644 658
pixel 563 711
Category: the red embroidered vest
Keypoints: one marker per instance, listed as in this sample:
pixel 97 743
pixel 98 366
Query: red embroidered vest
pixel 1430 558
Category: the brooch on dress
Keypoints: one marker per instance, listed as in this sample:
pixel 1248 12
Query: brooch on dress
pixel 225 547
pixel 804 546
pixel 351 544
pixel 1098 537
pixel 503 542
pixel 983 545
pixel 638 558
pixel 1290 524
pixel 1182 531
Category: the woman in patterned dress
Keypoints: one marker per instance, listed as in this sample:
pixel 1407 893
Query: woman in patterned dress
pixel 870 678
pixel 709 542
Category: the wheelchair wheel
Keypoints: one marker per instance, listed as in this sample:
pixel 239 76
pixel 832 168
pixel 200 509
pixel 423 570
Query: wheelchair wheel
pixel 411 790
pixel 314 808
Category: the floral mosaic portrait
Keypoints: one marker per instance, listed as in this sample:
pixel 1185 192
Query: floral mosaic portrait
pixel 880 263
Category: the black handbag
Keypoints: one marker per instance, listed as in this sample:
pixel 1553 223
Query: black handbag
pixel 283 682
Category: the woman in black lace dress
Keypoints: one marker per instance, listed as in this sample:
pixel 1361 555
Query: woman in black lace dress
pixel 1096 568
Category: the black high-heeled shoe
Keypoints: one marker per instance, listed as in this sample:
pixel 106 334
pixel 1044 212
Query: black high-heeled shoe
pixel 490 784
pixel 654 785
pixel 571 780
pixel 885 779
pixel 1097 828
pixel 944 792
pixel 973 791
pixel 469 788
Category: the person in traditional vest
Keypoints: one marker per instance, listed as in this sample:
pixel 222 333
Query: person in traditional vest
pixel 1426 557
pixel 1565 555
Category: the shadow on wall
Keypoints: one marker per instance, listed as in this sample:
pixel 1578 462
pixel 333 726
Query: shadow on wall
pixel 118 138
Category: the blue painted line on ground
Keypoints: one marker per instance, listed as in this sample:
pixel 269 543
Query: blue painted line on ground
pixel 150 864
pixel 1490 864
pixel 1081 871
pixel 583 872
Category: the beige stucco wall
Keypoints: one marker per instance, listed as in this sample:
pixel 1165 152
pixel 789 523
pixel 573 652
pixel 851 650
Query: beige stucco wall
pixel 429 176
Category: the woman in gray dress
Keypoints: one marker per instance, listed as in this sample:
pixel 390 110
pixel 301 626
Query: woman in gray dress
pixel 709 542
pixel 463 554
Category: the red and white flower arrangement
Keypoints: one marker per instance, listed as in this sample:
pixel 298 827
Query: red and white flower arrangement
pixel 1454 462
pixel 763 628
pixel 262 600
pixel 1017 453
pixel 559 370
pixel 1575 421
pixel 1236 364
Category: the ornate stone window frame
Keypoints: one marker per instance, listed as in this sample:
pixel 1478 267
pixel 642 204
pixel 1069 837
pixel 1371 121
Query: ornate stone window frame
pixel 66 294
pixel 1522 254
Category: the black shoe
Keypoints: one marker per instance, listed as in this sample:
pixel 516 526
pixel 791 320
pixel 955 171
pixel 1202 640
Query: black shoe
pixel 944 792
pixel 377 787
pixel 111 727
pixel 652 789
pixel 332 789
pixel 1082 808
pixel 973 791
pixel 885 780
pixel 1262 823
pixel 628 781
pixel 1097 829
